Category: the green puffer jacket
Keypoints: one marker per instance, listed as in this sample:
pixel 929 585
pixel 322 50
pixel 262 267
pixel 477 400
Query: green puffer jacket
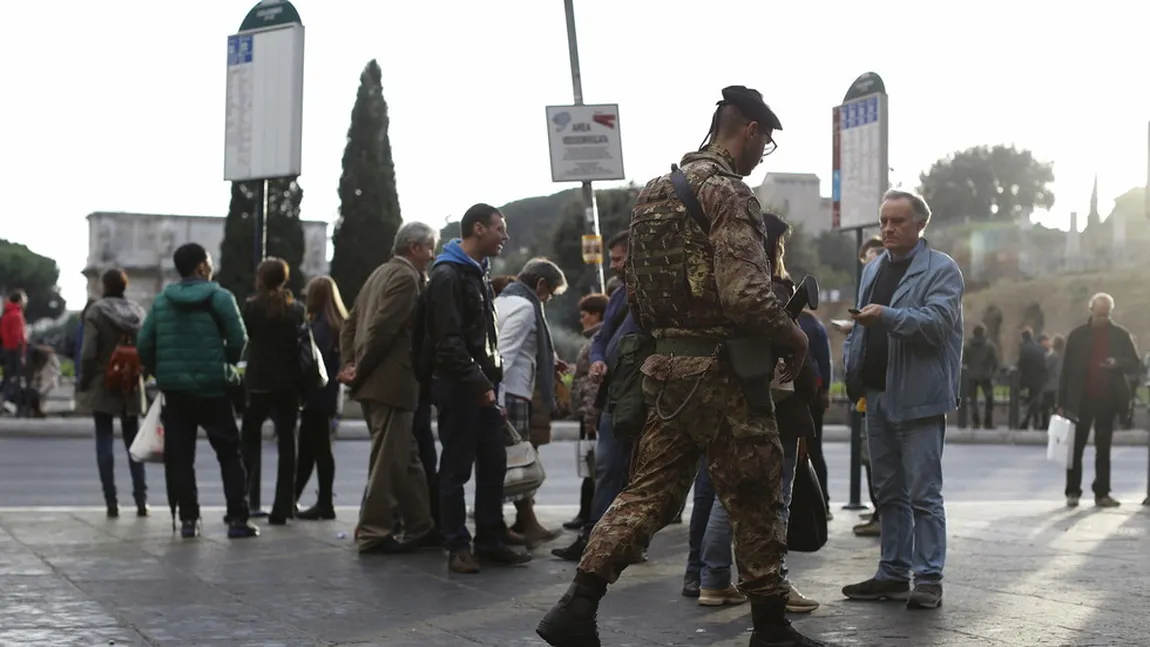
pixel 192 339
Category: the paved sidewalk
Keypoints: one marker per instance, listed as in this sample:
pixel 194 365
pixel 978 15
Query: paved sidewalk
pixel 1031 574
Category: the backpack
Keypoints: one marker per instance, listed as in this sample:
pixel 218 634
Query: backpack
pixel 123 371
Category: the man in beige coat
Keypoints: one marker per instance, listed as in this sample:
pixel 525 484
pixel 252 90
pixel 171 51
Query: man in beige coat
pixel 376 346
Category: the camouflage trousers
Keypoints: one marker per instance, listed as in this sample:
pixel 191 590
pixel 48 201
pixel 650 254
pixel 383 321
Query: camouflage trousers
pixel 745 467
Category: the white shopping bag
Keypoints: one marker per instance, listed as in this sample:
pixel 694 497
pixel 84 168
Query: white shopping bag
pixel 1060 441
pixel 148 447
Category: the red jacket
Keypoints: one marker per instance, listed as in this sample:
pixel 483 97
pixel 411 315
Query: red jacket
pixel 12 333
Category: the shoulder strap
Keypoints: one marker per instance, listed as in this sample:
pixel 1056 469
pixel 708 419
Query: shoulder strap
pixel 683 190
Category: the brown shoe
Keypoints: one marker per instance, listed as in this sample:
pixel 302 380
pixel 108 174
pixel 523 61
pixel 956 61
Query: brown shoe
pixel 503 556
pixel 871 528
pixel 462 562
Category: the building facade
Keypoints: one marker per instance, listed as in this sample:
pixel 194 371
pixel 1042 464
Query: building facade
pixel 797 197
pixel 141 244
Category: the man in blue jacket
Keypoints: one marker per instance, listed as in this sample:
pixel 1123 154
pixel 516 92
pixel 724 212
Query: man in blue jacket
pixel 612 455
pixel 904 356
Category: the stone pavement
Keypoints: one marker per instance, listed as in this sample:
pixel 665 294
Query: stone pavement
pixel 1020 573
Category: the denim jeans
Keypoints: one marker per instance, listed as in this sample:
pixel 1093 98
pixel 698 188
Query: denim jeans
pixel 612 469
pixel 716 548
pixel 704 499
pixel 906 465
pixel 106 457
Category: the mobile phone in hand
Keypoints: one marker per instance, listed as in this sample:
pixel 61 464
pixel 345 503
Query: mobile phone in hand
pixel 853 311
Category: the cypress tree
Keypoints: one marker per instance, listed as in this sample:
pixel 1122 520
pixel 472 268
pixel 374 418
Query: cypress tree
pixel 369 205
pixel 285 237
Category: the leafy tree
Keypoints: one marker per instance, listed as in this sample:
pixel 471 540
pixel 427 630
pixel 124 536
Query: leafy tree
pixel 836 250
pixel 369 204
pixel 285 237
pixel 980 184
pixel 21 268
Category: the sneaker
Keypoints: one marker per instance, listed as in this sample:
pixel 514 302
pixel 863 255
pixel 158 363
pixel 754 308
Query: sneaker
pixel 242 530
pixel 503 556
pixel 871 528
pixel 925 596
pixel 873 590
pixel 1072 502
pixel 189 529
pixel 142 509
pixel 113 511
pixel 799 603
pixel 691 587
pixel 1106 502
pixel 720 597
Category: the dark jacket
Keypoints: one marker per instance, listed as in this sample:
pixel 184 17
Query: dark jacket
pixel 1032 365
pixel 109 322
pixel 273 345
pixel 1075 368
pixel 326 400
pixel 460 322
pixel 819 348
pixel 980 359
pixel 193 338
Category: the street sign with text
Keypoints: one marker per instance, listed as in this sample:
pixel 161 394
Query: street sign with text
pixel 585 143
pixel 264 114
pixel 860 167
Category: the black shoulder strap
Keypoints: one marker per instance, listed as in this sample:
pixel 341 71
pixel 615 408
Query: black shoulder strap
pixel 683 190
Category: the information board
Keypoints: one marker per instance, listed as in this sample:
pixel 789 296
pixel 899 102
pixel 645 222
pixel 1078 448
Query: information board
pixel 860 166
pixel 585 143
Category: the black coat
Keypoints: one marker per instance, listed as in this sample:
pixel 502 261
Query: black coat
pixel 325 401
pixel 460 327
pixel 273 346
pixel 1075 367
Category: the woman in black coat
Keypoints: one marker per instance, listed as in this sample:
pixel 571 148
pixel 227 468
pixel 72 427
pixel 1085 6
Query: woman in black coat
pixel 326 314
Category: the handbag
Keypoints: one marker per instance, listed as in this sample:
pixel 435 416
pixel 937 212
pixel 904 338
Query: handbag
pixel 807 528
pixel 1060 441
pixel 148 447
pixel 311 365
pixel 524 473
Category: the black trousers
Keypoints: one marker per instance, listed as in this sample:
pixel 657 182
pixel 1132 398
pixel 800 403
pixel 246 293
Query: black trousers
pixel 1101 415
pixel 183 415
pixel 987 389
pixel 815 449
pixel 315 453
pixel 283 408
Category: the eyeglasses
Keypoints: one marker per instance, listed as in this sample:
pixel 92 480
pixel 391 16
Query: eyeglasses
pixel 770 147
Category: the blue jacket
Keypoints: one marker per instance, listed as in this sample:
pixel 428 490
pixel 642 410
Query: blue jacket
pixel 605 343
pixel 924 322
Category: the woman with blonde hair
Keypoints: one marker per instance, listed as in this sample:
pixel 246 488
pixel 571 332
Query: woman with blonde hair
pixel 326 314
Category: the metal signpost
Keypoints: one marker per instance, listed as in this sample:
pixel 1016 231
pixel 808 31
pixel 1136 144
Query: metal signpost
pixel 264 115
pixel 859 180
pixel 585 147
pixel 1146 501
pixel 264 118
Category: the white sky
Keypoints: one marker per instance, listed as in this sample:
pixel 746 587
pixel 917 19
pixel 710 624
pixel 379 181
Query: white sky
pixel 119 105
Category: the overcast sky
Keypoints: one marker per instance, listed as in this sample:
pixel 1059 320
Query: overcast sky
pixel 119 105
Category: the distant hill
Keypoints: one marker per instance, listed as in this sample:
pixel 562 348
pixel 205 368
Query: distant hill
pixel 530 221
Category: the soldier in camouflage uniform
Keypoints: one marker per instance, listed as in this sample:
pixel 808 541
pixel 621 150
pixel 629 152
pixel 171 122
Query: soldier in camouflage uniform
pixel 692 290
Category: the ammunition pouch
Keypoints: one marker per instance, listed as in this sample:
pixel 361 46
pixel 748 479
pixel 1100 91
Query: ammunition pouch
pixel 753 361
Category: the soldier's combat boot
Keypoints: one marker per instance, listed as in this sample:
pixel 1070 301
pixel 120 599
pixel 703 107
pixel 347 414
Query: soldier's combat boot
pixel 572 621
pixel 772 629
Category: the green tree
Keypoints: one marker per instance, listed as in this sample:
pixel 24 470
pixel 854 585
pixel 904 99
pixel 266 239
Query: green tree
pixel 21 268
pixel 836 250
pixel 981 184
pixel 369 204
pixel 285 237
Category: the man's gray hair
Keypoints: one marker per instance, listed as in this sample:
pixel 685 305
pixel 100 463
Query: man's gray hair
pixel 414 233
pixel 918 206
pixel 542 268
pixel 1104 296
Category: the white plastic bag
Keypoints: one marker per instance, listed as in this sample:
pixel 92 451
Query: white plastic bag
pixel 148 447
pixel 1060 441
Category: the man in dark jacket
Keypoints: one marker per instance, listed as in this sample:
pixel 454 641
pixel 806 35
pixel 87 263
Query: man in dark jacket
pixel 1031 376
pixel 1093 389
pixel 466 370
pixel 979 366
pixel 191 341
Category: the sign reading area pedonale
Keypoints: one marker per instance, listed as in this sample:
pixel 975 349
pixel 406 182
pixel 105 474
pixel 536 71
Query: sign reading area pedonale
pixel 585 143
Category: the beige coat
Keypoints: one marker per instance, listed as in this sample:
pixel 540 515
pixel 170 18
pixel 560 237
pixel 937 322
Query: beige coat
pixel 377 336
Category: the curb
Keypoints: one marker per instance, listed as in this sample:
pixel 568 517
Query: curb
pixel 562 431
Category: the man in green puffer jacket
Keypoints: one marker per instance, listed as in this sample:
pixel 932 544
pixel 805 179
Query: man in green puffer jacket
pixel 191 341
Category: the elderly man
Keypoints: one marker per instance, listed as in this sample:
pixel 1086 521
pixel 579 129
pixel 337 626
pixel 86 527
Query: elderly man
pixel 904 357
pixel 529 363
pixel 375 346
pixel 1093 389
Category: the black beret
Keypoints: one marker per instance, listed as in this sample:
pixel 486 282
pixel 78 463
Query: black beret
pixel 750 102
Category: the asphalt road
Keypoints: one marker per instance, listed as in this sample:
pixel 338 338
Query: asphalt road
pixel 62 472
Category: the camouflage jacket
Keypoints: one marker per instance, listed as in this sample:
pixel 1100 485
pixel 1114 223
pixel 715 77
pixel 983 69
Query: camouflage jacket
pixel 685 283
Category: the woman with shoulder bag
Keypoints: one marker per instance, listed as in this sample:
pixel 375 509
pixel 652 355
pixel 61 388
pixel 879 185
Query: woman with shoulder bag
pixel 273 381
pixel 326 314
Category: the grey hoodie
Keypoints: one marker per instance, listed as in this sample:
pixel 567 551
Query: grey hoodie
pixel 125 315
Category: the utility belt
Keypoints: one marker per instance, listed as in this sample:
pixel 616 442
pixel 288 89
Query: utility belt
pixel 752 360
